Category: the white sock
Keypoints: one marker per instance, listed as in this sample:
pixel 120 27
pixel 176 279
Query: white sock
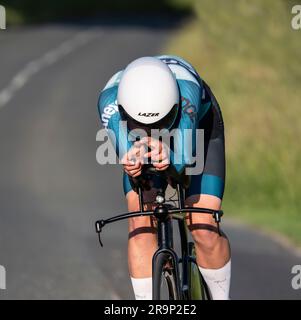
pixel 142 288
pixel 218 281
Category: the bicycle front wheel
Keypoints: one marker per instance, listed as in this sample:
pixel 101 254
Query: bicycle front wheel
pixel 164 279
pixel 197 285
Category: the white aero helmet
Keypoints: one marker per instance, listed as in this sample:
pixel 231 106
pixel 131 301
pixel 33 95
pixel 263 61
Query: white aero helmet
pixel 148 95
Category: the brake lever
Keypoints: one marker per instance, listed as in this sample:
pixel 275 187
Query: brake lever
pixel 99 239
pixel 98 226
pixel 217 215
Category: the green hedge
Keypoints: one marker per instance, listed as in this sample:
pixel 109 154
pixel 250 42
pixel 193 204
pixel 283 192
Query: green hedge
pixel 249 54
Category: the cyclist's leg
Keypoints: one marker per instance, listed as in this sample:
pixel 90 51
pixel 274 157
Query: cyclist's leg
pixel 142 238
pixel 142 245
pixel 213 250
pixel 206 190
pixel 142 242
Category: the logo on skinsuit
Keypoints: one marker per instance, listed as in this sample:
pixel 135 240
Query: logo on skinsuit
pixel 108 111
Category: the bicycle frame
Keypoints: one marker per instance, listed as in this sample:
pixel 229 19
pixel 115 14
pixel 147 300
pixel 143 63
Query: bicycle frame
pixel 164 215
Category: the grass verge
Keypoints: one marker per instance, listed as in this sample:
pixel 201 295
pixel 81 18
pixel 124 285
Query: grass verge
pixel 249 54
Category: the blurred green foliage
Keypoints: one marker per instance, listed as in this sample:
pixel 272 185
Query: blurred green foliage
pixel 249 54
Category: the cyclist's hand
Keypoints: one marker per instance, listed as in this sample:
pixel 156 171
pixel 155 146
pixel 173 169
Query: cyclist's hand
pixel 132 160
pixel 159 153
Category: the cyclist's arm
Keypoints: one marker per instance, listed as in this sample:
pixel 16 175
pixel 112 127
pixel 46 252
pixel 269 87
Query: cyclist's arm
pixel 111 120
pixel 194 106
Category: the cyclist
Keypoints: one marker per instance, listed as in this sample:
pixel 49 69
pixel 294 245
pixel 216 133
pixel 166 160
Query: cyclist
pixel 166 92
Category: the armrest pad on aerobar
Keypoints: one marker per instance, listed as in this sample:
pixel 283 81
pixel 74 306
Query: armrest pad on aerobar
pixel 142 180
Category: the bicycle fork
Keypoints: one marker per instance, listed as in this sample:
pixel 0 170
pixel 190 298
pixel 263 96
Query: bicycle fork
pixel 165 246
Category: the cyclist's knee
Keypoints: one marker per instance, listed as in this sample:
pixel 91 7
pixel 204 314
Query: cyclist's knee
pixel 140 222
pixel 202 226
pixel 205 239
pixel 133 199
pixel 141 230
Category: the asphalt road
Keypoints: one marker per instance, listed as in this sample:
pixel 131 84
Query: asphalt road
pixel 51 188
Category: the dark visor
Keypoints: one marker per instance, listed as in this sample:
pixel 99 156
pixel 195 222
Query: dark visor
pixel 164 123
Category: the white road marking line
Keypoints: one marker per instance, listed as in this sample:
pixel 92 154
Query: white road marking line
pixel 49 58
